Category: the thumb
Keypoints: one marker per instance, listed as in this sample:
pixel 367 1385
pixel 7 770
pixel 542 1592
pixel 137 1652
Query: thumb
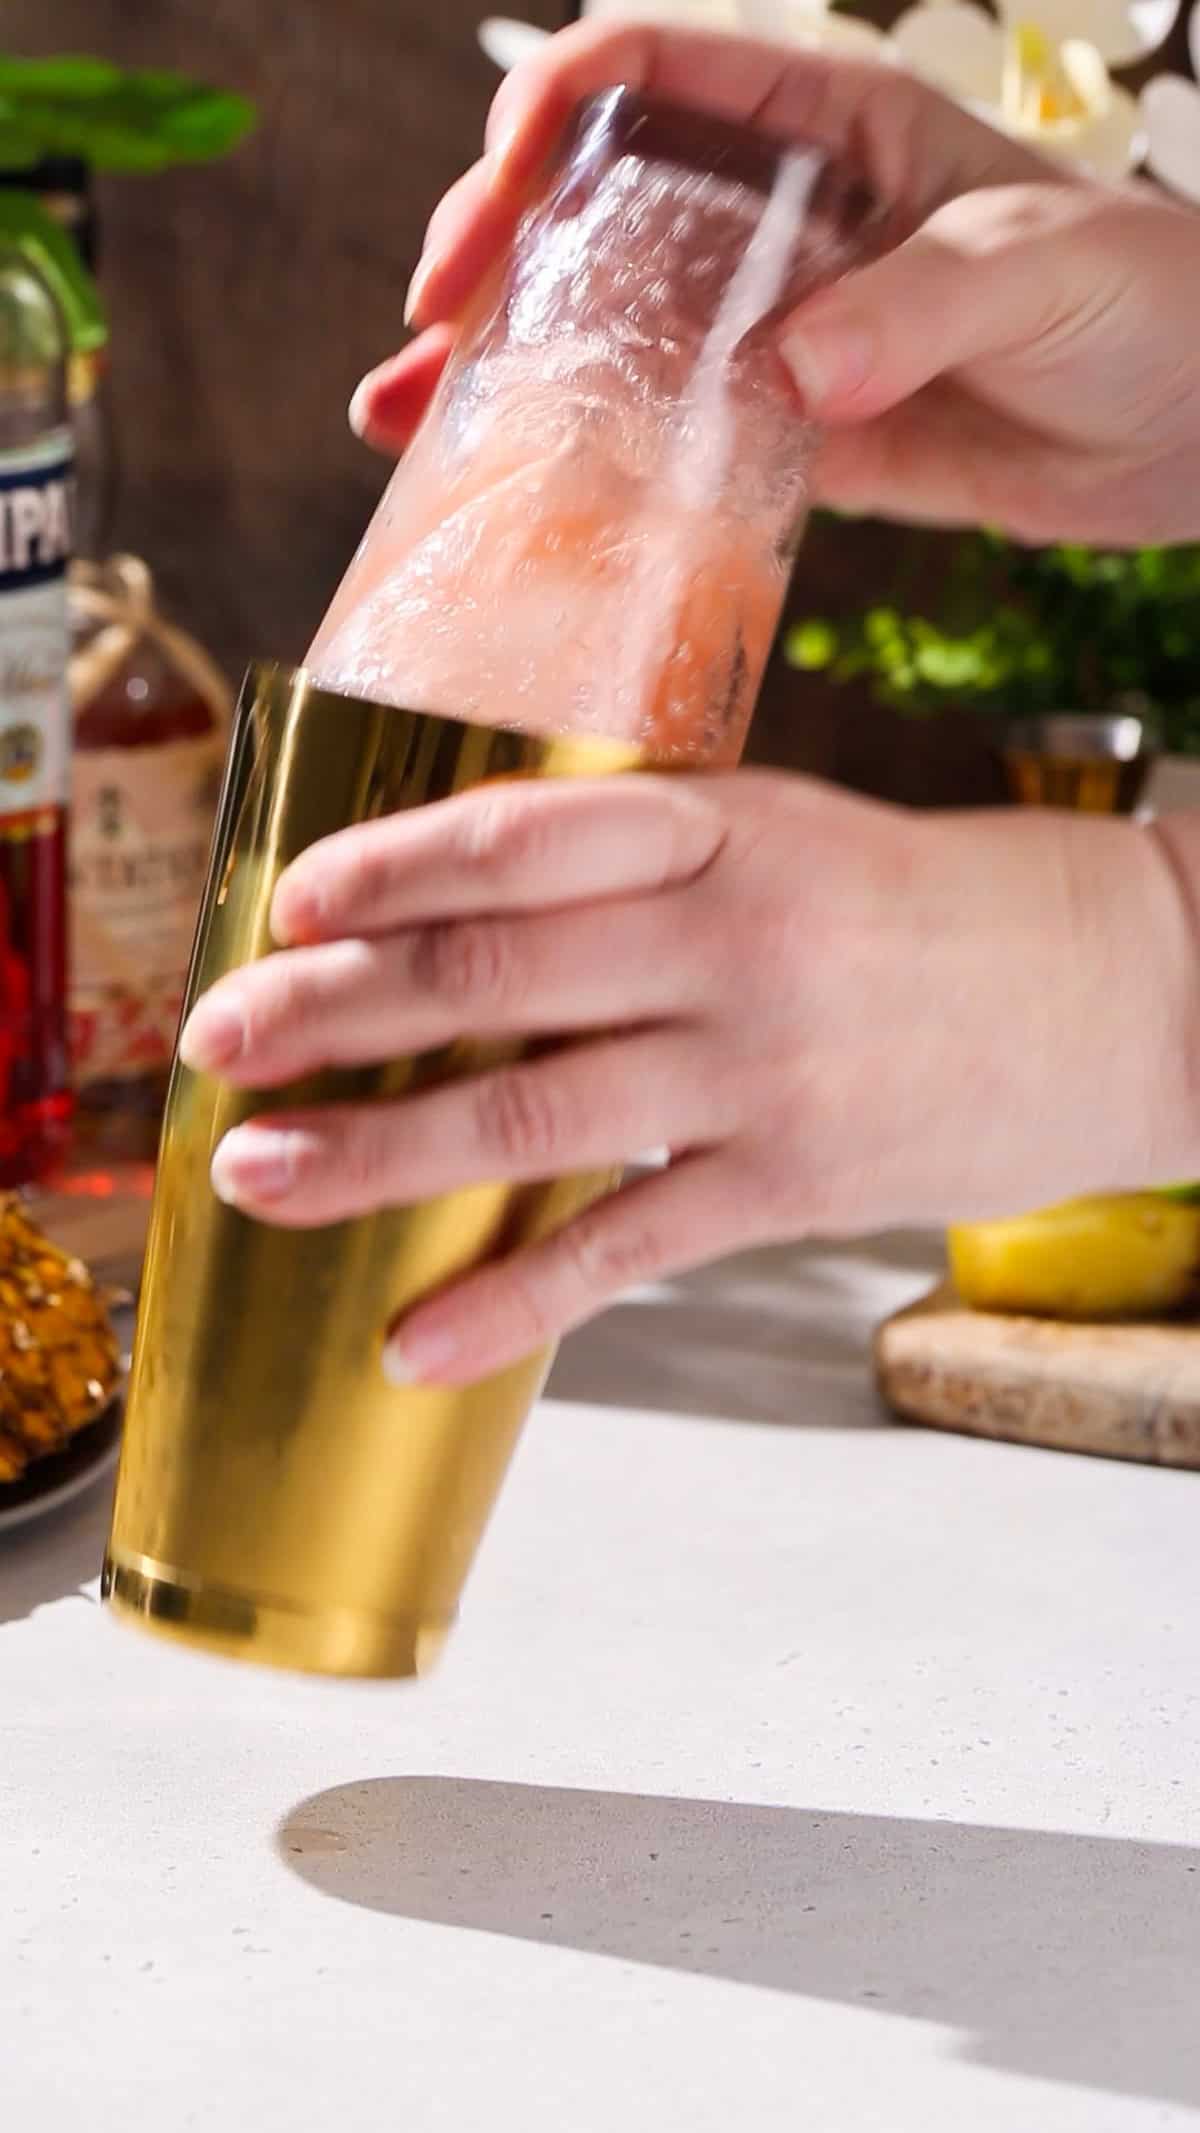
pixel 989 274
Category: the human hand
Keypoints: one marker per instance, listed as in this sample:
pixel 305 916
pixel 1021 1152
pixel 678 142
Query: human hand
pixel 1025 358
pixel 837 1015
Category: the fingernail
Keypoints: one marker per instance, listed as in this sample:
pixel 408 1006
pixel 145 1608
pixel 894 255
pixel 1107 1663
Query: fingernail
pixel 254 1163
pixel 356 413
pixel 296 917
pixel 500 153
pixel 827 361
pixel 416 288
pixel 417 1355
pixel 213 1036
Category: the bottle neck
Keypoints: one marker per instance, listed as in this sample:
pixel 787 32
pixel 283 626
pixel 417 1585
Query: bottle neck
pixel 63 185
pixel 84 375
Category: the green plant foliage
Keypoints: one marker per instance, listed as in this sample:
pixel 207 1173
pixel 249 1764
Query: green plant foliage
pixel 144 121
pixel 1018 631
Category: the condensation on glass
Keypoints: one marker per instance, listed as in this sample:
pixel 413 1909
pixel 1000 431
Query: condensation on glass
pixel 594 529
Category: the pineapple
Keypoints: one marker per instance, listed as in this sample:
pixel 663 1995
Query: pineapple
pixel 59 1359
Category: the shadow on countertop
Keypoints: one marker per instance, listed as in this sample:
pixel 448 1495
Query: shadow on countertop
pixel 55 1557
pixel 764 1337
pixel 1070 1958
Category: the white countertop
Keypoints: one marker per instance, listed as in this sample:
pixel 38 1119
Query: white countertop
pixel 789 1769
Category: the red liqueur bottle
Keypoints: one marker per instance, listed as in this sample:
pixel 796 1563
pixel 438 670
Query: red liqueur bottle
pixel 35 732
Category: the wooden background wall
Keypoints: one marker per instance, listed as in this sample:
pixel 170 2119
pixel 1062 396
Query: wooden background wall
pixel 247 298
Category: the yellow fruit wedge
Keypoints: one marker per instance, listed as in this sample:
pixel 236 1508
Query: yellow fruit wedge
pixel 1126 1255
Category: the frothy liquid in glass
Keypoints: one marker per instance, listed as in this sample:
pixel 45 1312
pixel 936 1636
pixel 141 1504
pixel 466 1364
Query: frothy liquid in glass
pixel 593 531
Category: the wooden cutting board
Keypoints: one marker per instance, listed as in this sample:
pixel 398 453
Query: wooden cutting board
pixel 1122 1391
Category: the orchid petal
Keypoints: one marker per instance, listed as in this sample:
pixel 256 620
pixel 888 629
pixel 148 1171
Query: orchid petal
pixel 826 29
pixel 954 45
pixel 505 41
pixel 1123 31
pixel 1112 143
pixel 1171 112
pixel 686 14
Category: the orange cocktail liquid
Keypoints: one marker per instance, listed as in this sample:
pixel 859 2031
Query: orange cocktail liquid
pixel 556 597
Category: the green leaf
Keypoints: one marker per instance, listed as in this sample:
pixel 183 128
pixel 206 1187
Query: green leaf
pixel 67 77
pixel 951 665
pixel 1017 630
pixel 812 645
pixel 20 148
pixel 207 126
pixel 883 629
pixel 130 122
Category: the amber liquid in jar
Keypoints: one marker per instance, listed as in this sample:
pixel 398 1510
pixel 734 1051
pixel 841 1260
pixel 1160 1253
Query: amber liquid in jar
pixel 148 752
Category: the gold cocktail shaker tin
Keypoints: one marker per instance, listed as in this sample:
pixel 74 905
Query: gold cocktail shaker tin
pixel 277 1499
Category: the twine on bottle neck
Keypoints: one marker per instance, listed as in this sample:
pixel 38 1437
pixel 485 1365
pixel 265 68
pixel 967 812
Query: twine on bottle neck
pixel 119 597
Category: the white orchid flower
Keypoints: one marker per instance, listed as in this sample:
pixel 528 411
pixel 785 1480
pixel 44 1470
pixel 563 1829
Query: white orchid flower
pixel 1055 93
pixel 1122 31
pixel 810 23
pixel 505 40
pixel 1039 69
pixel 1171 113
pixel 1171 110
pixel 813 24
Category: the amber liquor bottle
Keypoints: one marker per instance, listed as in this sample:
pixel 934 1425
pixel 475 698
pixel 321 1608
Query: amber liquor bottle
pixel 150 729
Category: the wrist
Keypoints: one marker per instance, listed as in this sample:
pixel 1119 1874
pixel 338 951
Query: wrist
pixel 1080 1025
pixel 1171 845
